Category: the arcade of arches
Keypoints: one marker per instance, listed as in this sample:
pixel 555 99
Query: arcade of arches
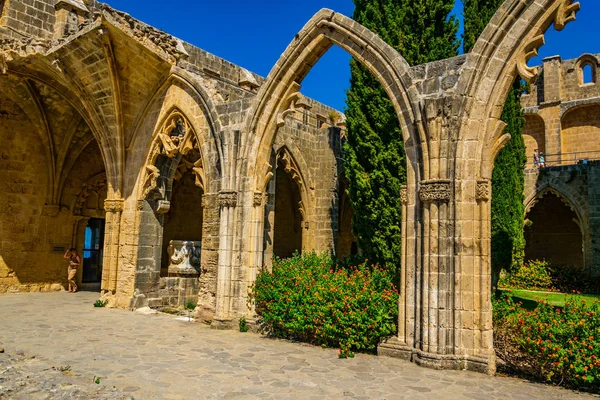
pixel 198 168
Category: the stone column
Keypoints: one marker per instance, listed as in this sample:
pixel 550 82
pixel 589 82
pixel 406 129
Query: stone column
pixel 227 202
pixel 114 209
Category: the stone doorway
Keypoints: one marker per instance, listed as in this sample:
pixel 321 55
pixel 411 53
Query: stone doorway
pixel 287 227
pixel 93 248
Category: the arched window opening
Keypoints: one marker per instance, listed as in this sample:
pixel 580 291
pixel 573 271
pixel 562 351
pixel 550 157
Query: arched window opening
pixel 588 74
pixel 553 234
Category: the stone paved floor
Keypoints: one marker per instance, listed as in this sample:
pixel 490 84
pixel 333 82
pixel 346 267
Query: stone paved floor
pixel 158 357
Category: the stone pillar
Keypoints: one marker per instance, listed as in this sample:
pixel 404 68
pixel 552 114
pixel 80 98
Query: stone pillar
pixel 209 258
pixel 444 307
pixel 227 202
pixel 114 209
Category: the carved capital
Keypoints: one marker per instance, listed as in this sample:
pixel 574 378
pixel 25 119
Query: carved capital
pixel 435 190
pixel 483 191
pixel 404 195
pixel 114 206
pixel 228 199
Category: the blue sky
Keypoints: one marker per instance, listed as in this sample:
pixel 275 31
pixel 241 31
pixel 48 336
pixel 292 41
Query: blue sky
pixel 253 34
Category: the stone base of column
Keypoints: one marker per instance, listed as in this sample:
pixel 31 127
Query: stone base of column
pixel 453 362
pixel 393 347
pixel 224 324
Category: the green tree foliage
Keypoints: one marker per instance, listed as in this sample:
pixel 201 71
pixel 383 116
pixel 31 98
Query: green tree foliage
pixel 508 182
pixel 508 213
pixel 478 14
pixel 375 161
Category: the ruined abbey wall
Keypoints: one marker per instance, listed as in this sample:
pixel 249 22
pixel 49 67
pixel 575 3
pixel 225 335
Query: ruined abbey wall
pixel 158 109
pixel 562 113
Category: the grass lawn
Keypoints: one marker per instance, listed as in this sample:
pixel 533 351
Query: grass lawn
pixel 529 297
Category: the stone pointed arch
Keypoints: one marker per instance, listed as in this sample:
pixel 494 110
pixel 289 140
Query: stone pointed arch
pixel 183 78
pixel 570 199
pixel 175 137
pixel 563 192
pixel 280 91
pixel 501 53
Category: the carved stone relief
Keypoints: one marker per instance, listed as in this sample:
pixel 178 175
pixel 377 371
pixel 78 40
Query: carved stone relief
pixel 435 190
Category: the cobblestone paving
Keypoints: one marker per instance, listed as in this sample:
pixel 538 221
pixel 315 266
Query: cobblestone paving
pixel 158 357
pixel 26 378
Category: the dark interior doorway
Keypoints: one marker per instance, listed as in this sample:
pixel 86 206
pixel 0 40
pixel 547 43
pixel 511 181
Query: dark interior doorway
pixel 93 247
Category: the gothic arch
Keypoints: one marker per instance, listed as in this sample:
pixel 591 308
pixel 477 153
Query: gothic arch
pixel 176 96
pixel 279 93
pixel 564 192
pixel 582 62
pixel 90 116
pixel 575 204
pixel 501 53
pixel 179 77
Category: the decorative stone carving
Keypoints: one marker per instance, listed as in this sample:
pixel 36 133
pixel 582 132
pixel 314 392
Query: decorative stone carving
pixel 289 105
pixel 163 206
pixel 567 12
pixel 260 199
pixel 483 191
pixel 435 190
pixel 140 204
pixel 228 199
pixel 96 185
pixel 184 258
pixel 176 136
pixel 290 166
pixel 404 195
pixel 150 183
pixel 114 206
pixel 529 51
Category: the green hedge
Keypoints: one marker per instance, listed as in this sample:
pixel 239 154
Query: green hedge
pixel 553 344
pixel 315 299
pixel 533 275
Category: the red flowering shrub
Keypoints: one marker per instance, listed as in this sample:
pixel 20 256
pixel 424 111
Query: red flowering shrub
pixel 558 345
pixel 313 299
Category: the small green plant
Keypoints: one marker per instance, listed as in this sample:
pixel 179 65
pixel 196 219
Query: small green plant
pixel 243 325
pixel 100 303
pixel 190 306
pixel 97 380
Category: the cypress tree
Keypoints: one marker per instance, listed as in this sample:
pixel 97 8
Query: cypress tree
pixel 508 179
pixel 421 31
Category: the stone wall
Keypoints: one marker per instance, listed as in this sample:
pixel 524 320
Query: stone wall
pixel 566 109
